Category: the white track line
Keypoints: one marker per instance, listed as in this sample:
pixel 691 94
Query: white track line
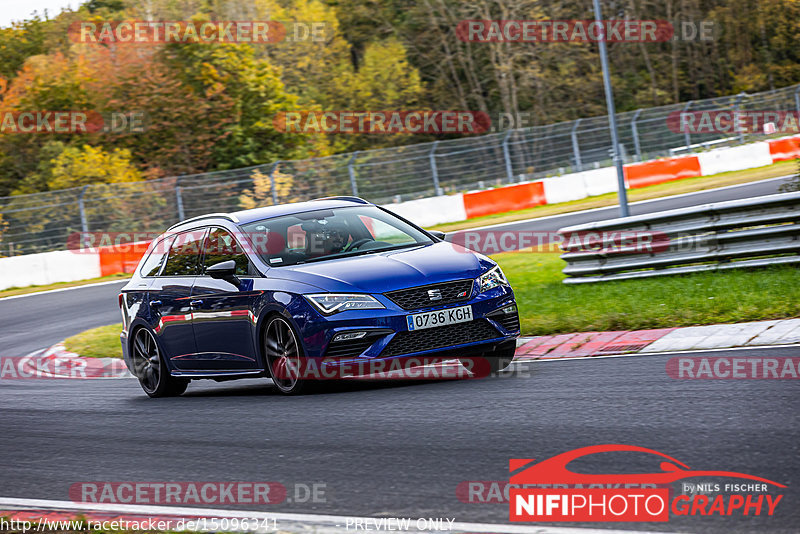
pixel 330 523
pixel 638 202
pixel 95 284
pixel 669 353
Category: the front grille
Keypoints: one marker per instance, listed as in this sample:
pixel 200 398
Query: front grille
pixel 408 342
pixel 417 298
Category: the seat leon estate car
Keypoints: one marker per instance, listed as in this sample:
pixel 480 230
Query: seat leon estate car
pixel 298 293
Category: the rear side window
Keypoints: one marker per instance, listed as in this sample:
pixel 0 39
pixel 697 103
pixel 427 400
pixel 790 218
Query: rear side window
pixel 221 246
pixel 152 265
pixel 184 254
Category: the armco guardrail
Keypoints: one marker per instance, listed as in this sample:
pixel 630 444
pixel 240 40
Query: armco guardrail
pixel 754 232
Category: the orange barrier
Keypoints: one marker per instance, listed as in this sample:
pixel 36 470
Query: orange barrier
pixel 121 258
pixel 660 171
pixel 784 149
pixel 502 199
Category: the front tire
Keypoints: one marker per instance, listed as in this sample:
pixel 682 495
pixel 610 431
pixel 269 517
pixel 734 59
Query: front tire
pixel 284 357
pixel 151 369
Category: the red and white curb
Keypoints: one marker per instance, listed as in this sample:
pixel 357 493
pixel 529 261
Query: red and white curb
pixel 178 518
pixel 719 336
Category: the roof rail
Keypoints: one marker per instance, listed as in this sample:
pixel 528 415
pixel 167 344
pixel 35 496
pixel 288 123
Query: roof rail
pixel 227 216
pixel 351 199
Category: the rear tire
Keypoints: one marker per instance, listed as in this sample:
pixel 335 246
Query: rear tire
pixel 151 369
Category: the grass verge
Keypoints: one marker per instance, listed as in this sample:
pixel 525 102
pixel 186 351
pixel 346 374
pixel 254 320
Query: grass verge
pixel 101 342
pixel 547 306
pixel 687 185
pixel 60 285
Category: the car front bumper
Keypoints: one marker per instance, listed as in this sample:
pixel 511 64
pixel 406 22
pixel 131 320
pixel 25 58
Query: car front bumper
pixel 494 327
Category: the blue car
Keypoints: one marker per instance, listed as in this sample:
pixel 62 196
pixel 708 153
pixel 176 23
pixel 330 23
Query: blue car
pixel 298 293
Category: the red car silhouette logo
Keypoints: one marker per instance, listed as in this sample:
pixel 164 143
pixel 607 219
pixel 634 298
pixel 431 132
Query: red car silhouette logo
pixel 554 470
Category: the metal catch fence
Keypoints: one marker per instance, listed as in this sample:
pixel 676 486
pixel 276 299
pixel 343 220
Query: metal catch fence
pixel 42 222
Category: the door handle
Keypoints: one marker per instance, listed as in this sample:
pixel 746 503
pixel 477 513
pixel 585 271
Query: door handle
pixel 155 303
pixel 195 303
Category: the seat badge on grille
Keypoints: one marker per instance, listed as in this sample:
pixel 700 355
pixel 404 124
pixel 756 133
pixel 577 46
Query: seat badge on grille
pixel 434 294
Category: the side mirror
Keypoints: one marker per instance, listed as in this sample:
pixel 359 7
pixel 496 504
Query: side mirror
pixel 224 270
pixel 437 234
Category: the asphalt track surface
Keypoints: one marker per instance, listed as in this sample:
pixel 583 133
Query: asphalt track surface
pixel 402 449
pixel 392 449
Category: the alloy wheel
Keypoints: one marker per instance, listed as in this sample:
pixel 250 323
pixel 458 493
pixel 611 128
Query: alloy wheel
pixel 146 360
pixel 283 355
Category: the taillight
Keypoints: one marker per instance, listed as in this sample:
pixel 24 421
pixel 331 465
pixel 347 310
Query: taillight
pixel 121 296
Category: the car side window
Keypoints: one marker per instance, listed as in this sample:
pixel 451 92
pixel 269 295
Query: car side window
pixel 184 254
pixel 222 246
pixel 152 265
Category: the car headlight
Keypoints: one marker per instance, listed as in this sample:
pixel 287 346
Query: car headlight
pixel 330 303
pixel 491 279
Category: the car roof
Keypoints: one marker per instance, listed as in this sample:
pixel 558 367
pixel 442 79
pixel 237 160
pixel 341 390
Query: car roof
pixel 278 210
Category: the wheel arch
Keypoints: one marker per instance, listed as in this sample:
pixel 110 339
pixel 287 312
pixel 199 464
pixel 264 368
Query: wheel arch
pixel 139 324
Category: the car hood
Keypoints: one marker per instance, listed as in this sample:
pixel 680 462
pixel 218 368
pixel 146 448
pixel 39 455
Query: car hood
pixel 386 271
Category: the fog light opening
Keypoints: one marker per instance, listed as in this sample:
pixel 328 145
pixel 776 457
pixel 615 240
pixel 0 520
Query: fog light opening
pixel 510 309
pixel 348 336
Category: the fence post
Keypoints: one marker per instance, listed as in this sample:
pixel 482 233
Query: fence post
pixel 179 199
pixel 507 156
pixel 272 182
pixel 687 134
pixel 576 149
pixel 435 169
pixel 797 100
pixel 635 132
pixel 736 103
pixel 82 209
pixel 352 173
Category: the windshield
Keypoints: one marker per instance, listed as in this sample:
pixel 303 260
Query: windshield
pixel 328 234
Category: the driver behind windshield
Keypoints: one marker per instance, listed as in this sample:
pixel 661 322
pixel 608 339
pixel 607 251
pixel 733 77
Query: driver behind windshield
pixel 324 237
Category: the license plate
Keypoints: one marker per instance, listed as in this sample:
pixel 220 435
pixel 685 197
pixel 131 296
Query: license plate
pixel 421 321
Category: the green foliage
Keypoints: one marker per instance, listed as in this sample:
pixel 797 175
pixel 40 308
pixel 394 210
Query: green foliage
pixel 211 106
pixel 230 72
pixel 87 165
pixel 18 42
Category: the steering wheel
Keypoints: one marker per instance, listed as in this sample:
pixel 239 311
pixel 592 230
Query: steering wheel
pixel 355 244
